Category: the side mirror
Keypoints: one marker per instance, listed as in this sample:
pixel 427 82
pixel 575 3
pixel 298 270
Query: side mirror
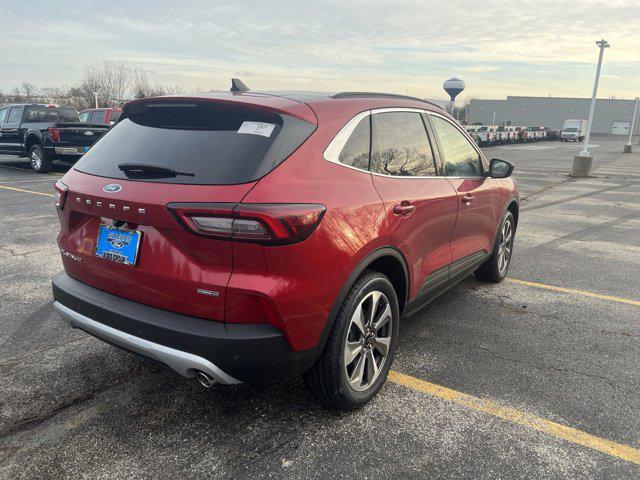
pixel 500 168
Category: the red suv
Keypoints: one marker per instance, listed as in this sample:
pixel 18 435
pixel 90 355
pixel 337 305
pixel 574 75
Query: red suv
pixel 247 237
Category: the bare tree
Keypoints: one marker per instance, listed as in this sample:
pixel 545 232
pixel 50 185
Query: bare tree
pixel 141 88
pixel 16 94
pixel 111 81
pixel 29 89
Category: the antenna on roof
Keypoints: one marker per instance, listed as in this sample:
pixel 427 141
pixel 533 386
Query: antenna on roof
pixel 238 85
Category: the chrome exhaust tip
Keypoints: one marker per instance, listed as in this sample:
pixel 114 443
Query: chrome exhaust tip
pixel 205 380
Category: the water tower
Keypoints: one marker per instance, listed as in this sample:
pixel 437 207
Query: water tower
pixel 453 87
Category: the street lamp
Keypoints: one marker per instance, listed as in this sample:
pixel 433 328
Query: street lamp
pixel 582 162
pixel 493 122
pixel 95 95
pixel 627 147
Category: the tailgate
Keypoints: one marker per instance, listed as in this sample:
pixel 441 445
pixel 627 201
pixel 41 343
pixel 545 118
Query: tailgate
pixel 118 233
pixel 81 135
pixel 174 270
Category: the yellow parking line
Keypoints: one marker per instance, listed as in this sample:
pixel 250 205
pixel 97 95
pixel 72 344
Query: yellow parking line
pixel 26 191
pixel 512 415
pixel 584 293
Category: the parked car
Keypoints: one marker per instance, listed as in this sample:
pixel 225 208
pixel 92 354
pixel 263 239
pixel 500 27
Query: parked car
pixel 536 133
pixel 471 130
pixel 486 134
pixel 44 133
pixel 100 116
pixel 320 221
pixel 573 130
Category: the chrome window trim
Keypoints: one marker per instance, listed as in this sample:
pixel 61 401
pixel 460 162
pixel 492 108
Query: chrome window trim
pixel 332 152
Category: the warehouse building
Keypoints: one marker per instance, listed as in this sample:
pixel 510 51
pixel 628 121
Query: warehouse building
pixel 611 115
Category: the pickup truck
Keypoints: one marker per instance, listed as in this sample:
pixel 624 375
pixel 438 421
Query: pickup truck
pixel 44 133
pixel 101 116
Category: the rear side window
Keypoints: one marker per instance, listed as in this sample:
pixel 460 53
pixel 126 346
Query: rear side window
pixel 355 152
pixel 403 148
pixel 218 143
pixel 84 116
pixel 98 117
pixel 14 115
pixel 460 158
pixel 3 114
pixel 115 115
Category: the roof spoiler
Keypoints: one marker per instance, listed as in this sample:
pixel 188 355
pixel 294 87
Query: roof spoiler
pixel 238 85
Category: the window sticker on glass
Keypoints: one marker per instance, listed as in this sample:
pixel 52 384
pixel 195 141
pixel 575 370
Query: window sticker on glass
pixel 257 128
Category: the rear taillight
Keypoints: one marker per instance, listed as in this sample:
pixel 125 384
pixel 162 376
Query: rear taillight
pixel 54 133
pixel 268 224
pixel 61 191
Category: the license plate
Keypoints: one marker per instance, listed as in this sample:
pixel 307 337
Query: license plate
pixel 118 244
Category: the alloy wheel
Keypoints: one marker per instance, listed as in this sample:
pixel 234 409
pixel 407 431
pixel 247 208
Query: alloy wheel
pixel 506 246
pixel 368 341
pixel 36 159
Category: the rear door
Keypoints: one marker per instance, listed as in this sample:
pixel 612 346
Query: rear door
pixel 420 204
pixel 478 195
pixel 218 152
pixel 11 140
pixel 4 112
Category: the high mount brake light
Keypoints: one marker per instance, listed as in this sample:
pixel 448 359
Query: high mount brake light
pixel 267 224
pixel 61 191
pixel 54 133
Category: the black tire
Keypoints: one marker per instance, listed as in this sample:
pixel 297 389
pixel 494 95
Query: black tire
pixel 328 378
pixel 38 159
pixel 494 269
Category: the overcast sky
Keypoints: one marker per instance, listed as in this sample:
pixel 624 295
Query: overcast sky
pixel 499 48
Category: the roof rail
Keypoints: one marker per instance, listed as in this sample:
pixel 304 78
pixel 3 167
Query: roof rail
pixel 382 95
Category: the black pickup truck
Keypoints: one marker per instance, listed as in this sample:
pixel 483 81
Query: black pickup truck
pixel 45 133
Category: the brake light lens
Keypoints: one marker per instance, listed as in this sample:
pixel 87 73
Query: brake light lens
pixel 268 224
pixel 61 191
pixel 54 133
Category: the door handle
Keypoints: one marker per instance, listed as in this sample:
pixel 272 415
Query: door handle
pixel 467 199
pixel 404 208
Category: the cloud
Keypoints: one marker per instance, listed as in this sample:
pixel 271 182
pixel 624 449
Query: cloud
pixel 498 46
pixel 481 68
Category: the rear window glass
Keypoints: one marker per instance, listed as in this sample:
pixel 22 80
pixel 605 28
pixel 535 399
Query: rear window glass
pixel 52 114
pixel 215 143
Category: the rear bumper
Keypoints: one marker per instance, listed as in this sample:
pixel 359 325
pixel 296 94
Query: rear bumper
pixel 230 353
pixel 72 151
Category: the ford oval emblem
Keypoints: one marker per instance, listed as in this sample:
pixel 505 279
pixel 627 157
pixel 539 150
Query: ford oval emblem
pixel 89 133
pixel 112 188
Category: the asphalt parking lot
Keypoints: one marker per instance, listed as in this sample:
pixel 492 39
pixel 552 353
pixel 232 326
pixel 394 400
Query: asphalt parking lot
pixel 537 377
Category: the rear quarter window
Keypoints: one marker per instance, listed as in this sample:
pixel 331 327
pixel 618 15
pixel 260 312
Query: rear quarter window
pixel 221 144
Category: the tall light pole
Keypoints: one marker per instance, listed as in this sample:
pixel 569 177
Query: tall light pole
pixel 95 95
pixel 493 122
pixel 582 162
pixel 585 146
pixel 627 147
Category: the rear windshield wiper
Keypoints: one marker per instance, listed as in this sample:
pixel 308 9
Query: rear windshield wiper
pixel 154 170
